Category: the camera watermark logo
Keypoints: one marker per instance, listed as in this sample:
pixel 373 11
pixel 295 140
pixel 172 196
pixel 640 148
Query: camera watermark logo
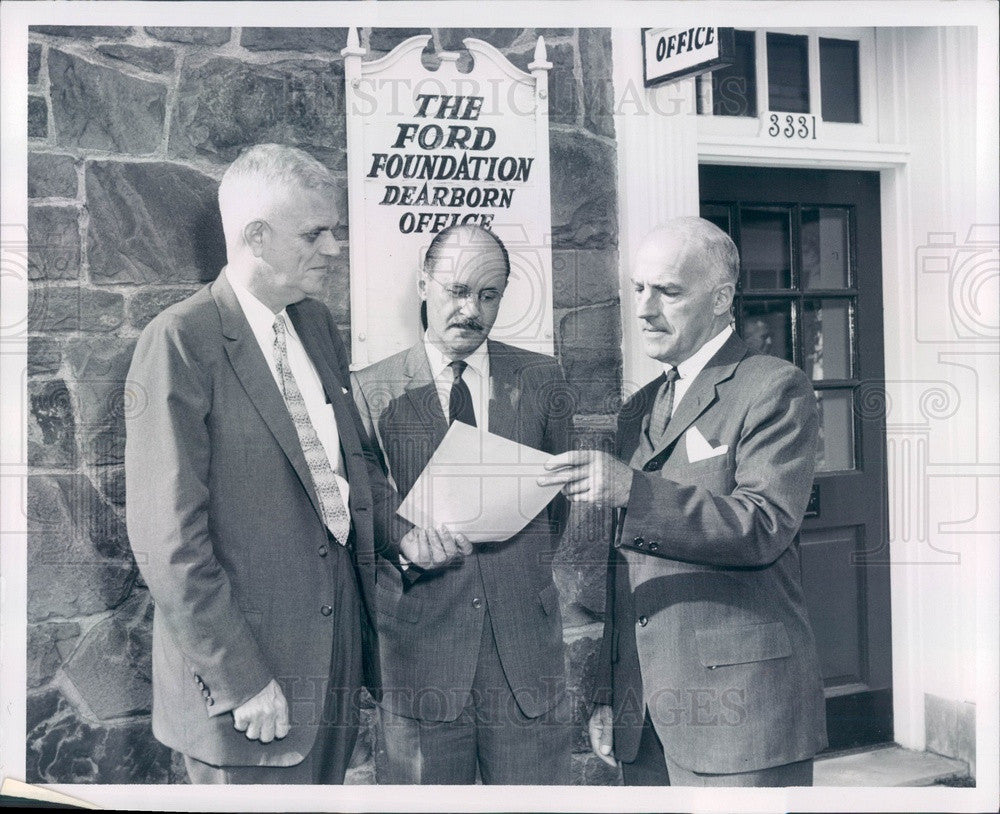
pixel 957 291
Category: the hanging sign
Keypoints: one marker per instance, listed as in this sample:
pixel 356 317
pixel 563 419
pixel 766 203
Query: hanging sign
pixel 670 54
pixel 429 148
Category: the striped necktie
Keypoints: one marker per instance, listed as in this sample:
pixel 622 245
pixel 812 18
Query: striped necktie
pixel 663 407
pixel 335 514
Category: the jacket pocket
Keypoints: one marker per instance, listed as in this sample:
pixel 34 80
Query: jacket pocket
pixel 396 604
pixel 706 465
pixel 741 645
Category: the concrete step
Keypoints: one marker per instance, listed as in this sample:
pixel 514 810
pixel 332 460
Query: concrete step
pixel 887 766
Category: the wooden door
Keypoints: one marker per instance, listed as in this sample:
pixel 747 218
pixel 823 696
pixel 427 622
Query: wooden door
pixel 811 292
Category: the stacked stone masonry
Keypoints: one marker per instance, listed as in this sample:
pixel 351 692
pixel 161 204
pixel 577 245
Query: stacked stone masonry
pixel 129 131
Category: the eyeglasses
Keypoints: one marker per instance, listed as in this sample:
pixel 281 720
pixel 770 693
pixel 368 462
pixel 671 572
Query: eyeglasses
pixel 459 292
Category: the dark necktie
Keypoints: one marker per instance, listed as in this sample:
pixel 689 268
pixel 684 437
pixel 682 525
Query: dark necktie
pixel 460 402
pixel 663 407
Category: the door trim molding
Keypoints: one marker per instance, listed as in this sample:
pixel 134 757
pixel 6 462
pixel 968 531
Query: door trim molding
pixel 657 146
pixel 749 152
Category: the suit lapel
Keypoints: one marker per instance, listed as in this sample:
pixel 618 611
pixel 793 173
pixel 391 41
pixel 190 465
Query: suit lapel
pixel 634 417
pixel 503 380
pixel 421 395
pixel 702 392
pixel 251 369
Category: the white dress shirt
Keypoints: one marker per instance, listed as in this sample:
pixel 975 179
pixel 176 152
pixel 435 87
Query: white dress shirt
pixel 476 378
pixel 693 365
pixel 261 319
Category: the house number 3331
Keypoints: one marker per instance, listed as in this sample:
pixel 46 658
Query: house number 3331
pixel 789 126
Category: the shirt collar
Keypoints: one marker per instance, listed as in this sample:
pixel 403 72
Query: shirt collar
pixel 260 317
pixel 695 363
pixel 478 360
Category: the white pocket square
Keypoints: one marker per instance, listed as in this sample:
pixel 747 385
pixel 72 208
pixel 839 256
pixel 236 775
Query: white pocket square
pixel 343 390
pixel 698 448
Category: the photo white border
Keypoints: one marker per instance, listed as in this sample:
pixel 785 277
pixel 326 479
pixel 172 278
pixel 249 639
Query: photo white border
pixel 15 16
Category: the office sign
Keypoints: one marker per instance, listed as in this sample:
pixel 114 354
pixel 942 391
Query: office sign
pixel 670 54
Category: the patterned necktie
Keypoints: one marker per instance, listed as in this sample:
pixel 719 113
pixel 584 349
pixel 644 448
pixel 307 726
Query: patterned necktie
pixel 460 401
pixel 335 514
pixel 663 407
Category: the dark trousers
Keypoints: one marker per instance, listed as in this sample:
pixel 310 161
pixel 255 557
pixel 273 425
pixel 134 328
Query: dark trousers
pixel 328 760
pixel 491 734
pixel 652 767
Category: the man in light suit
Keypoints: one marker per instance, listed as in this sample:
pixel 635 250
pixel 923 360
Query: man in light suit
pixel 254 505
pixel 708 673
pixel 472 654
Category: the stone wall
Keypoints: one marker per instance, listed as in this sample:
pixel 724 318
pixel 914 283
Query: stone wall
pixel 129 131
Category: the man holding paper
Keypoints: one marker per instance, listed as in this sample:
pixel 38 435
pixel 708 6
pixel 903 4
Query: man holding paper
pixel 472 654
pixel 708 673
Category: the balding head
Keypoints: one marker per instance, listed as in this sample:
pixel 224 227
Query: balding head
pixel 698 241
pixel 684 276
pixel 449 244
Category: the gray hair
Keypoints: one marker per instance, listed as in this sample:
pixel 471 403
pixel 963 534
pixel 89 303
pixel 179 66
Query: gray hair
pixel 715 247
pixel 721 255
pixel 259 176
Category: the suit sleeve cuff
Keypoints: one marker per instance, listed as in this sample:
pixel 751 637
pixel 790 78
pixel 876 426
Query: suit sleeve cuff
pixel 631 534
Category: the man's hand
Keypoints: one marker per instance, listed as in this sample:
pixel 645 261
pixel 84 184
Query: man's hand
pixel 590 476
pixel 433 548
pixel 602 734
pixel 265 716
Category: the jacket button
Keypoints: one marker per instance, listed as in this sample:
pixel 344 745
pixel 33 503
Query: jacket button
pixel 205 692
pixel 323 550
pixel 197 678
pixel 209 701
pixel 638 542
pixel 477 602
pixel 326 610
pixel 654 546
pixel 643 621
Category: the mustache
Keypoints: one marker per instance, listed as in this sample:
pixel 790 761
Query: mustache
pixel 470 324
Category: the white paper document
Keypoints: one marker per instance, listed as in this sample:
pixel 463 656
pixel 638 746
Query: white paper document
pixel 480 485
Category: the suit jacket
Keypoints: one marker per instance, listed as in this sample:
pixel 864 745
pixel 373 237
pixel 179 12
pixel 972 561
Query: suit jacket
pixel 225 526
pixel 430 627
pixel 706 624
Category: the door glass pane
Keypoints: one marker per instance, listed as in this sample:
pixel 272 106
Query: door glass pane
pixel 766 326
pixel 836 430
pixel 825 247
pixel 788 73
pixel 719 215
pixel 734 89
pixel 838 80
pixel 765 248
pixel 826 338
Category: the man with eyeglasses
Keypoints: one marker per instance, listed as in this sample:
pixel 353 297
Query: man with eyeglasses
pixel 472 653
